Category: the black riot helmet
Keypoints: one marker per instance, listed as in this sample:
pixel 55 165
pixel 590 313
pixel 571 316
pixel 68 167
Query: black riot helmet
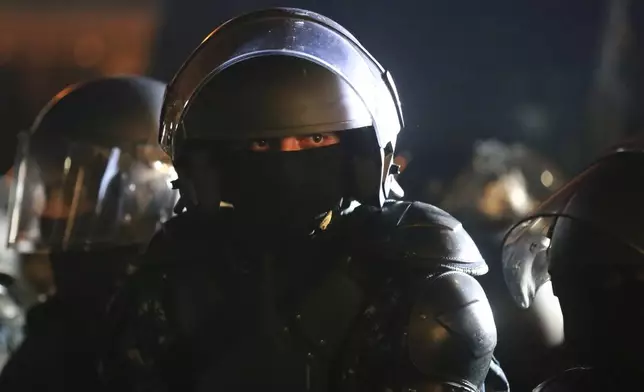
pixel 89 170
pixel 588 239
pixel 286 72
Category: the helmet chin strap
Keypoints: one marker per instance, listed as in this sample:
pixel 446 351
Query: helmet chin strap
pixel 390 187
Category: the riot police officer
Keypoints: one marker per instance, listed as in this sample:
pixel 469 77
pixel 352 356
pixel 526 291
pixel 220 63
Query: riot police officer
pixel 90 188
pixel 314 279
pixel 587 240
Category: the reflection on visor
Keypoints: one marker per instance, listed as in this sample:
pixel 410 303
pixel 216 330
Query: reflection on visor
pixel 89 195
pixel 525 258
pixel 281 32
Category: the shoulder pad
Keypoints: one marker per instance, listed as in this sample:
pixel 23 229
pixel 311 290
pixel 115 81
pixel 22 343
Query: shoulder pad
pixel 451 330
pixel 424 236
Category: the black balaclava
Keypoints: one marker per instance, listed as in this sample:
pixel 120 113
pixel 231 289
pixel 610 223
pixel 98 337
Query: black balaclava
pixel 285 191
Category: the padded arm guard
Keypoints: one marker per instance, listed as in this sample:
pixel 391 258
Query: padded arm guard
pixel 451 332
pixel 418 236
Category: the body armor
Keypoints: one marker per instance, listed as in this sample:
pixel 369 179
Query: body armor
pixel 383 298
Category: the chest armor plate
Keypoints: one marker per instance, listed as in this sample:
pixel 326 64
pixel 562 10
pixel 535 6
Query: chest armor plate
pixel 288 325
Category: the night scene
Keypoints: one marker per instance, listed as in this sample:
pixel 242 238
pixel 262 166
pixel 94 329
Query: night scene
pixel 322 196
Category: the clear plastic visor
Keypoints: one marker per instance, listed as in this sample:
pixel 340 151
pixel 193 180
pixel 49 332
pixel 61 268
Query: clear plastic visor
pixel 525 258
pixel 82 195
pixel 292 34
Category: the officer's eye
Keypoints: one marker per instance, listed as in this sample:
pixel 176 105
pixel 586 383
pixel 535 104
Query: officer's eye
pixel 317 140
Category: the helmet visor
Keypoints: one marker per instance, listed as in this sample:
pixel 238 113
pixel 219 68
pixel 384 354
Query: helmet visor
pixel 83 194
pixel 525 258
pixel 283 32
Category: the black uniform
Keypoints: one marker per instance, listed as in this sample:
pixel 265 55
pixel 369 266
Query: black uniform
pixel 586 239
pixel 314 279
pixel 73 211
pixel 64 334
pixel 380 299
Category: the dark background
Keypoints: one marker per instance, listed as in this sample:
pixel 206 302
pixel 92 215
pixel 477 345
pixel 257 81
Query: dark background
pixel 526 71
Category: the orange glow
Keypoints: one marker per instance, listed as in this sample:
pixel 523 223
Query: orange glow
pixel 73 38
pixel 89 50
pixel 86 44
pixel 7 49
pixel 402 162
pixel 60 95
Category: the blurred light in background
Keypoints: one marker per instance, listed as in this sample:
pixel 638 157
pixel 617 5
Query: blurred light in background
pixel 403 159
pixel 503 182
pixel 168 170
pixel 547 179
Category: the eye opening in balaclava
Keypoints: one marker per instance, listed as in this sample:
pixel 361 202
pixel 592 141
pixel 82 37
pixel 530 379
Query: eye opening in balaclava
pixel 281 188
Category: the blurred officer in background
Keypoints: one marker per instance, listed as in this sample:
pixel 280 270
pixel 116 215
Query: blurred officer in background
pixel 587 240
pixel 90 188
